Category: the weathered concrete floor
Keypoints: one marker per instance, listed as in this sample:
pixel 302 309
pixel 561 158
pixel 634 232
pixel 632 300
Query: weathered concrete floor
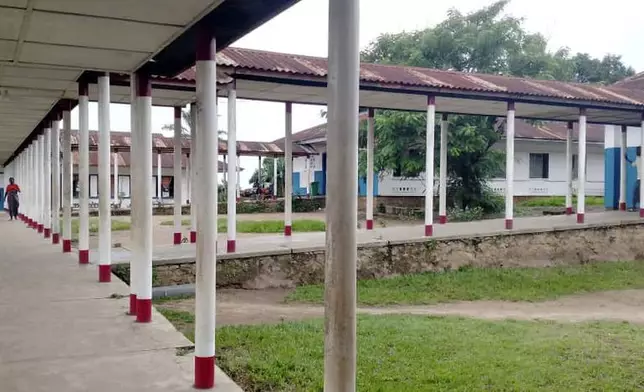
pixel 61 331
pixel 303 241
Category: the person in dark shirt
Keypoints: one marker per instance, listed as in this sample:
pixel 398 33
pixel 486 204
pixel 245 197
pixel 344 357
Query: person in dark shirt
pixel 11 197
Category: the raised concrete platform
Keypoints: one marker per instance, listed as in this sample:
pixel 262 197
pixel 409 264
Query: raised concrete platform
pixel 302 242
pixel 60 330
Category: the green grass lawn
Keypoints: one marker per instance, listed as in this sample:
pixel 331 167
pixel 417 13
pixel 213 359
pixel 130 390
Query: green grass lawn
pixel 470 284
pixel 558 201
pixel 419 353
pixel 263 226
pixel 117 225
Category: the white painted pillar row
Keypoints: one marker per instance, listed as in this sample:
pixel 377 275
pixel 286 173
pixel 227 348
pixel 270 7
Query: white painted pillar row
pixel 104 210
pixel 288 171
pixel 115 158
pixel 641 168
pixel 178 180
pixel 47 182
pixel 67 183
pixel 509 168
pixel 135 195
pixel 342 203
pixel 83 176
pixel 41 180
pixel 144 199
pixel 30 186
pixel 55 180
pixel 207 173
pixel 581 167
pixel 569 180
pixel 370 154
pixel 429 166
pixel 622 168
pixel 159 176
pixel 442 176
pixel 231 188
pixel 193 172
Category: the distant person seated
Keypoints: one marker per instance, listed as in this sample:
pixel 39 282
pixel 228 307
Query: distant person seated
pixel 11 197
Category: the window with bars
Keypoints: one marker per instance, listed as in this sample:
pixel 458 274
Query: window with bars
pixel 539 166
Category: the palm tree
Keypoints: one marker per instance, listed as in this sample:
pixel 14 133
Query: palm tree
pixel 186 119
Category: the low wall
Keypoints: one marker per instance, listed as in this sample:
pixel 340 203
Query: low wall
pixel 573 245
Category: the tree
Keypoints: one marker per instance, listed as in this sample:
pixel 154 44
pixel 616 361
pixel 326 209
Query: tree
pixel 485 41
pixel 267 172
pixel 186 122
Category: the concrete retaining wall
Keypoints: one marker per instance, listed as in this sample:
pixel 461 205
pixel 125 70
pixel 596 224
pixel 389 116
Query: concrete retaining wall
pixel 571 245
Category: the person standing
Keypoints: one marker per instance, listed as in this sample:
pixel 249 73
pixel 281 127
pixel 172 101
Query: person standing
pixel 636 164
pixel 11 197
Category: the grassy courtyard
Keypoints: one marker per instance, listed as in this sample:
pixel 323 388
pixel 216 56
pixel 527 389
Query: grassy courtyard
pixel 117 225
pixel 263 226
pixel 471 284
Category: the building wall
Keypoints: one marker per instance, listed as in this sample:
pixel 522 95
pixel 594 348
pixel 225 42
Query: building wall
pixel 555 185
pixel 612 157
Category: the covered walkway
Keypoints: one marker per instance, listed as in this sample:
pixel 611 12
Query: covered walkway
pixel 60 331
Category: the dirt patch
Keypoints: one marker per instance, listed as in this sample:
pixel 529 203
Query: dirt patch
pixel 267 306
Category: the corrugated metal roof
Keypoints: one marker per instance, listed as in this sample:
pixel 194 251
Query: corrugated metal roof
pixel 298 65
pixel 167 160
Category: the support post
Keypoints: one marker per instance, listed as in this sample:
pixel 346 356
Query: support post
pixel 135 195
pixel 509 168
pixel 442 176
pixel 41 181
pixel 581 167
pixel 83 176
pixel 429 166
pixel 47 183
pixel 207 173
pixel 231 185
pixel 144 199
pixel 288 170
pixel 159 177
pixel 104 211
pixel 370 153
pixel 569 168
pixel 193 172
pixel 342 207
pixel 178 181
pixel 115 186
pixel 640 168
pixel 275 183
pixel 55 180
pixel 622 169
pixel 66 144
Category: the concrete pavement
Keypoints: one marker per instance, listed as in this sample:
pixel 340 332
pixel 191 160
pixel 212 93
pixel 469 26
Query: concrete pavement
pixel 60 330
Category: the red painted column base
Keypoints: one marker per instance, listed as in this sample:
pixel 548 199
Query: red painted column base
pixel 83 255
pixel 568 210
pixel 288 230
pixel 641 212
pixel 132 311
pixel 193 237
pixel 369 224
pixel 429 230
pixel 104 273
pixel 177 239
pixel 41 228
pixel 580 217
pixel 47 233
pixel 143 310
pixel 442 219
pixel 67 246
pixel 622 206
pixel 231 245
pixel 55 238
pixel 509 224
pixel 204 372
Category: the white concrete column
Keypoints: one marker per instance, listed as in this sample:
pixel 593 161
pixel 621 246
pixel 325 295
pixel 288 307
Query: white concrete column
pixel 135 194
pixel 622 168
pixel 442 176
pixel 178 181
pixel 41 180
pixel 47 183
pixel 569 168
pixel 275 183
pixel 238 164
pixel 509 168
pixel 581 167
pixel 231 185
pixel 342 203
pixel 641 168
pixel 225 172
pixel 55 180
pixel 83 176
pixel 159 176
pixel 67 183
pixel 144 199
pixel 207 174
pixel 193 172
pixel 288 171
pixel 30 185
pixel 104 210
pixel 429 166
pixel 370 154
pixel 115 158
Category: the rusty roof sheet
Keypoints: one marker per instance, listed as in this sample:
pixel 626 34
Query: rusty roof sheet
pixel 635 82
pixel 299 65
pixel 124 160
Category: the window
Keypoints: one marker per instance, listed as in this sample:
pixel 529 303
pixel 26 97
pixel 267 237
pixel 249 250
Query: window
pixel 93 186
pixel 75 187
pixel 539 165
pixel 124 186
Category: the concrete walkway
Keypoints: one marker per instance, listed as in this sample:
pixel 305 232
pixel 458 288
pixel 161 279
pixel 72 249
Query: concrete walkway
pixel 306 241
pixel 60 330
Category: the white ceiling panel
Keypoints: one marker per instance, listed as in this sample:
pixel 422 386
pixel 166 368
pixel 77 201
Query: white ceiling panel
pixel 7 49
pixel 43 84
pixel 83 58
pixel 92 32
pixel 155 11
pixel 10 22
pixel 40 73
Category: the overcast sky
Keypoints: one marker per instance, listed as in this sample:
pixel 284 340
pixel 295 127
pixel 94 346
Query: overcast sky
pixel 597 28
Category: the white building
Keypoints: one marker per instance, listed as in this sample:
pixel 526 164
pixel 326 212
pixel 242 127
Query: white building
pixel 540 164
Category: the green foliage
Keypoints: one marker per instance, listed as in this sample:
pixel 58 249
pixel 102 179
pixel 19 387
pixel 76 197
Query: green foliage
pixel 263 226
pixel 465 215
pixel 558 201
pixel 267 172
